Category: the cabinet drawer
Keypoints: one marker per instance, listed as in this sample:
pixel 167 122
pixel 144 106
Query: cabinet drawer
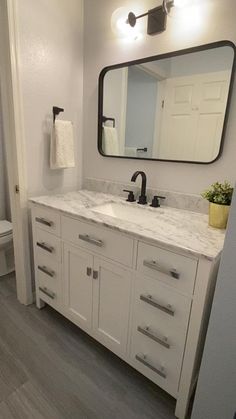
pixel 47 244
pixel 158 305
pixel 159 364
pixel 100 240
pixel 175 270
pixel 47 220
pixel 48 270
pixel 159 328
pixel 53 298
pixel 48 280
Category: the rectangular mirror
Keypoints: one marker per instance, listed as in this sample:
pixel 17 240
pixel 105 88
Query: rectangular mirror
pixel 171 107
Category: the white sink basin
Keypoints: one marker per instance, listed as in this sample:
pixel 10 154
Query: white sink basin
pixel 132 213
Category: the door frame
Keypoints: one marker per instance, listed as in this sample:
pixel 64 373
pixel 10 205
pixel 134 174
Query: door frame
pixel 13 128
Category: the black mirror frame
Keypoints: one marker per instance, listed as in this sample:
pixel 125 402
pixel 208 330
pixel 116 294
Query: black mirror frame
pixel 159 57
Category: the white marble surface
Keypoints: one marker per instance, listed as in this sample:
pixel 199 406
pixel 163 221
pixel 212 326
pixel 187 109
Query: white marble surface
pixel 177 230
pixel 190 202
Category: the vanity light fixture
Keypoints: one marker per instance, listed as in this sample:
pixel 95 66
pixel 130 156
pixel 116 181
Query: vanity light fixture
pixel 157 17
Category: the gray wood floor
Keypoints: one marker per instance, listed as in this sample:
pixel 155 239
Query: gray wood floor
pixel 50 369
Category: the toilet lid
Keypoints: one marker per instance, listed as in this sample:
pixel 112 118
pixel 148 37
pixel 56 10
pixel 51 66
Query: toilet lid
pixel 5 228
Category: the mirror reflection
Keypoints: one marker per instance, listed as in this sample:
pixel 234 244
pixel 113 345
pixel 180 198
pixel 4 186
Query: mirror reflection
pixel 168 109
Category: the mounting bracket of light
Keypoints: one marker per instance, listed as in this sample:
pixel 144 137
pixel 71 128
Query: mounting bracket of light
pixel 156 18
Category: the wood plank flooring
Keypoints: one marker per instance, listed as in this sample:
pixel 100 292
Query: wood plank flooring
pixel 50 369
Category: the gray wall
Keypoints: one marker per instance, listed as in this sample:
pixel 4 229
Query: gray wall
pixel 2 172
pixel 216 390
pixel 141 109
pixel 207 21
pixel 51 73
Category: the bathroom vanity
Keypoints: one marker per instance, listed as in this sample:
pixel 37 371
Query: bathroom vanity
pixel 137 279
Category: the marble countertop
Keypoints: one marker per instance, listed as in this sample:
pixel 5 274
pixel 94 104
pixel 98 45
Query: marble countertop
pixel 177 230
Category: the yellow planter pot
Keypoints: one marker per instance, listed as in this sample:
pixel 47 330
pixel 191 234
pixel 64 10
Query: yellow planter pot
pixel 218 215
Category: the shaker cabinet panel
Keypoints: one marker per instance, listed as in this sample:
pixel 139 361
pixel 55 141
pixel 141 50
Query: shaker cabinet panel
pixel 78 285
pixel 111 296
pixel 175 270
pixel 102 241
pixel 47 220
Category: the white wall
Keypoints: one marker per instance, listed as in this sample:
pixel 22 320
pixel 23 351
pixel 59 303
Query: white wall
pixel 2 172
pixel 51 72
pixel 216 21
pixel 209 61
pixel 215 395
pixel 141 109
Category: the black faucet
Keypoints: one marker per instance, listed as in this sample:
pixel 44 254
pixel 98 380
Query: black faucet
pixel 142 199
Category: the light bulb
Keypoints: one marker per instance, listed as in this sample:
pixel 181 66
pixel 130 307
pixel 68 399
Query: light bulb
pixel 121 28
pixel 178 8
pixel 181 3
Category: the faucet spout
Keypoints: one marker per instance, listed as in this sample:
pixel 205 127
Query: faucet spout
pixel 142 198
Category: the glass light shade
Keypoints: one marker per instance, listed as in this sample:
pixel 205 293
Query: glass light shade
pixel 181 3
pixel 176 8
pixel 121 27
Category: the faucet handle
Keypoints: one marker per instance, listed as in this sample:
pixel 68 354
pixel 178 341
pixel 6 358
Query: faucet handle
pixel 156 201
pixel 130 196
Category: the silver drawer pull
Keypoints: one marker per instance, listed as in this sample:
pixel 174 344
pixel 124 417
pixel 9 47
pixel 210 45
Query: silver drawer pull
pixel 50 294
pixel 46 271
pixel 153 264
pixel 152 335
pixel 91 240
pixel 45 246
pixel 44 221
pixel 150 300
pixel 144 360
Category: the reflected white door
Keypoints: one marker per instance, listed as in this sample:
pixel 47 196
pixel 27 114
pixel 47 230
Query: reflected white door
pixel 193 116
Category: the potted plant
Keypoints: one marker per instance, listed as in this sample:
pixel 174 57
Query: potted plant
pixel 219 195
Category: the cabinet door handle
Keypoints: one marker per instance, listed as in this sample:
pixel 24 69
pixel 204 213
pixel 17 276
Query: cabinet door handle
pixel 144 360
pixel 150 300
pixel 89 271
pixel 95 274
pixel 91 240
pixel 152 335
pixel 44 221
pixel 50 294
pixel 45 246
pixel 46 271
pixel 153 264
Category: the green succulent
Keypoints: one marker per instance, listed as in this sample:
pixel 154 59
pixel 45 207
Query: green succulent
pixel 219 193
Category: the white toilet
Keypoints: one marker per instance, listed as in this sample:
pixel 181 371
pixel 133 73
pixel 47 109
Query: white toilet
pixel 6 248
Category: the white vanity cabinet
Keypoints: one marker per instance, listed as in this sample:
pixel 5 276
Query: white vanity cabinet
pixel 147 304
pixel 97 297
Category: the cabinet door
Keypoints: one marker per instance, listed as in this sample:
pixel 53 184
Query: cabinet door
pixel 78 286
pixel 111 305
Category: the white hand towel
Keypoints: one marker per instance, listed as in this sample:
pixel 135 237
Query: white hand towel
pixel 62 154
pixel 110 141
